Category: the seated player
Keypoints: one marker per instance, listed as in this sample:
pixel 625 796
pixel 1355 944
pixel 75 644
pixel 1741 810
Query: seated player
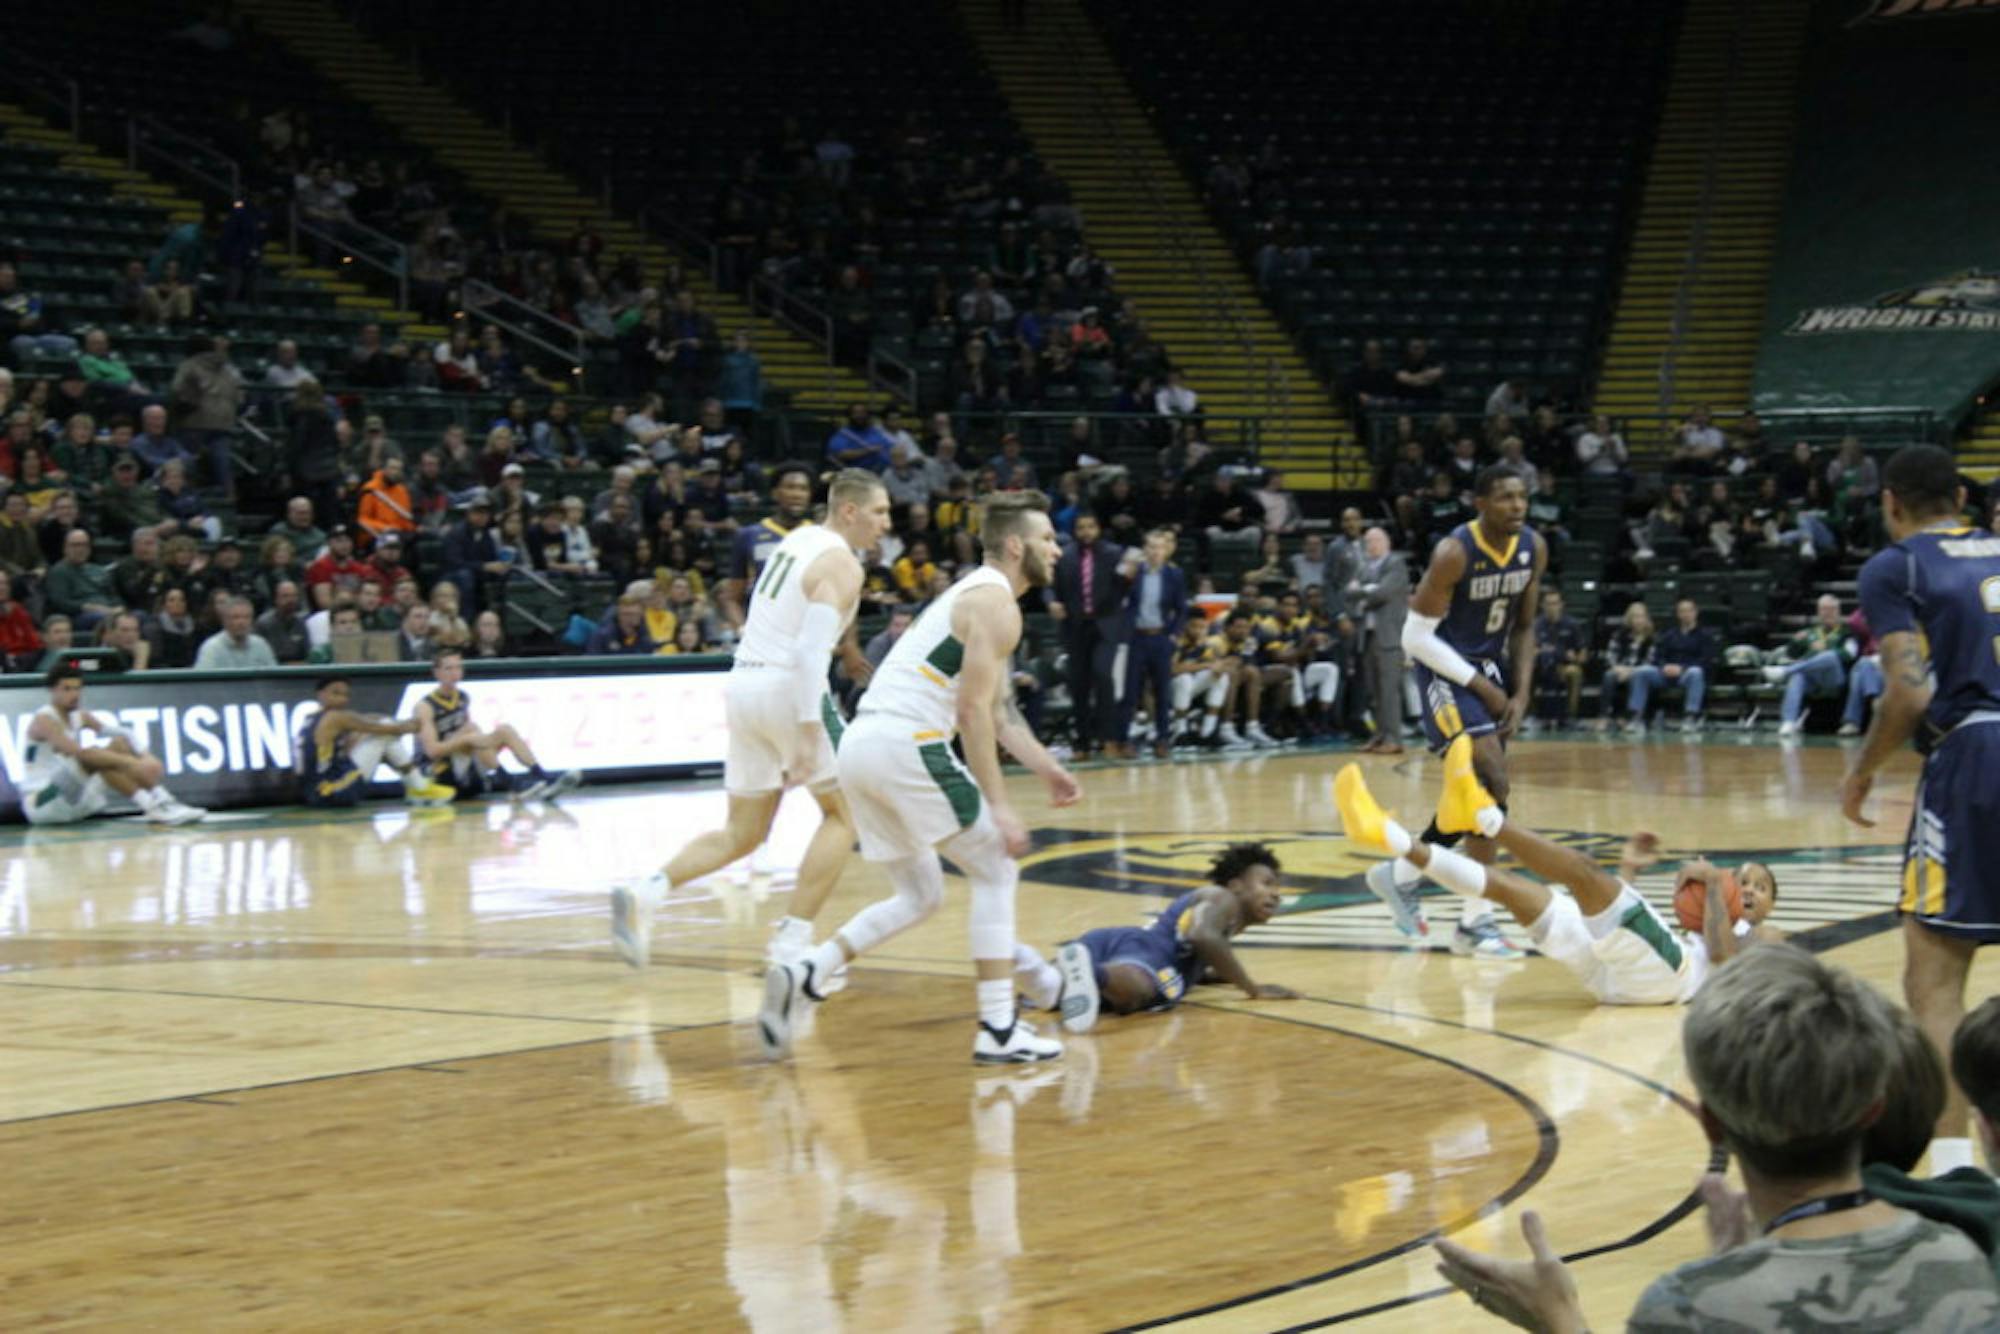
pixel 338 749
pixel 1199 676
pixel 65 781
pixel 1622 950
pixel 1126 969
pixel 464 758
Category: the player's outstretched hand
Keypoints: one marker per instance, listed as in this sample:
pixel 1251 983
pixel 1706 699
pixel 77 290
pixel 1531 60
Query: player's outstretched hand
pixel 1640 851
pixel 1535 1294
pixel 1064 790
pixel 1853 792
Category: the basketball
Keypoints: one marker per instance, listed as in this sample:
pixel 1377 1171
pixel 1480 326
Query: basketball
pixel 1691 899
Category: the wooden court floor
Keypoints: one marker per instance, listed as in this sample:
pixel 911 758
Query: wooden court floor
pixel 384 1071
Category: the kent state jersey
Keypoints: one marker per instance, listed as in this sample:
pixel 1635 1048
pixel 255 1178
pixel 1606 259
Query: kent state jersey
pixel 753 546
pixel 1943 584
pixel 1486 603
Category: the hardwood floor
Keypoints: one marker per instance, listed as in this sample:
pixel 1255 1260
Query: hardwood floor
pixel 384 1070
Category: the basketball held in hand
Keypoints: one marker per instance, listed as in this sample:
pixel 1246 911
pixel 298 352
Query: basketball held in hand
pixel 1691 898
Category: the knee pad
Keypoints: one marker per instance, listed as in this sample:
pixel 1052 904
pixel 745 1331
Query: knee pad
pixel 979 852
pixel 919 884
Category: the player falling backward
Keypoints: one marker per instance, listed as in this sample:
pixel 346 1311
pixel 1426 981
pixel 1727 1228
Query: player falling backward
pixel 782 721
pixel 1473 612
pixel 1622 950
pixel 912 798
pixel 66 781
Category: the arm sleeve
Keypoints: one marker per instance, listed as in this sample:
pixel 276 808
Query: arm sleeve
pixel 818 633
pixel 1421 642
pixel 1886 595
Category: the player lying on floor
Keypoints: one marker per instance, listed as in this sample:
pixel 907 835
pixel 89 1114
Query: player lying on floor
pixel 1622 950
pixel 1126 969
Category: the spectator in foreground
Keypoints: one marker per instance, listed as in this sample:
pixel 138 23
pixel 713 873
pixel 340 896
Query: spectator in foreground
pixel 1790 1060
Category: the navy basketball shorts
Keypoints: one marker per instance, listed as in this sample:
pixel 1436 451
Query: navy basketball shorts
pixel 1450 709
pixel 1951 865
pixel 1140 948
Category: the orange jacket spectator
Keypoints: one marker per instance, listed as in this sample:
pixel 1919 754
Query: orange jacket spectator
pixel 386 506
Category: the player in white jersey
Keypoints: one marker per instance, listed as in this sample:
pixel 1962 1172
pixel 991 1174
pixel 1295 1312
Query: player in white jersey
pixel 1616 944
pixel 66 781
pixel 782 721
pixel 912 798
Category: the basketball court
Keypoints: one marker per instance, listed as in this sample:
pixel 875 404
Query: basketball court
pixel 387 1065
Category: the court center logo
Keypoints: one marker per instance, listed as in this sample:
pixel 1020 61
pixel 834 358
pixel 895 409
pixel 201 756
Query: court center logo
pixel 1837 894
pixel 1966 301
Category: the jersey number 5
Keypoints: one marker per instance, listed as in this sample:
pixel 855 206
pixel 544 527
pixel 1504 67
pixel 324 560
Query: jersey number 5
pixel 1496 617
pixel 774 575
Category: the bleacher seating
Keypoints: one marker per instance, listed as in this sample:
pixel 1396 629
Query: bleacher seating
pixel 897 81
pixel 1462 172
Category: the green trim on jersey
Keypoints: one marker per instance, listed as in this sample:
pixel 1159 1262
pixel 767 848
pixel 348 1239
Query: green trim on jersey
pixel 952 780
pixel 1642 922
pixel 948 657
pixel 829 717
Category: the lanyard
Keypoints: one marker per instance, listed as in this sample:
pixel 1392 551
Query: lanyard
pixel 1825 1204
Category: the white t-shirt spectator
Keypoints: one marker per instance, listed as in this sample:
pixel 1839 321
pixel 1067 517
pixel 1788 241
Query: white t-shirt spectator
pixel 287 377
pixel 1173 400
pixel 1601 455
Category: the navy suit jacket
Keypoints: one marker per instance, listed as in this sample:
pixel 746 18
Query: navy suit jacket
pixel 1173 600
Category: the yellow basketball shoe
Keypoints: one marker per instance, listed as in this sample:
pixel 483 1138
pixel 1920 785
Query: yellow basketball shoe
pixel 1464 796
pixel 1363 818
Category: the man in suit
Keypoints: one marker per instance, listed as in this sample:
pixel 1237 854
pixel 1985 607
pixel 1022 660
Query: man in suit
pixel 1380 598
pixel 1090 602
pixel 1155 609
pixel 1339 574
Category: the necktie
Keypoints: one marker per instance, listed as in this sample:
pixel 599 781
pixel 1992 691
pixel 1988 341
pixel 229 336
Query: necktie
pixel 1089 598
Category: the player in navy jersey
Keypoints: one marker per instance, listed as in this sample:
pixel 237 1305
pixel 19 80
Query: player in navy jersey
pixel 1470 633
pixel 1932 597
pixel 791 494
pixel 1126 969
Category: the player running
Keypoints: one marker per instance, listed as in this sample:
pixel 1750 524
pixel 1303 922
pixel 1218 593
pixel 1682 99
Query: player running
pixel 1471 633
pixel 782 722
pixel 912 798
pixel 1932 598
pixel 463 757
pixel 1618 946
pixel 1126 969
pixel 65 781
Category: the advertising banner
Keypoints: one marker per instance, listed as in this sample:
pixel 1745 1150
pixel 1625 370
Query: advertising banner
pixel 227 739
pixel 1885 279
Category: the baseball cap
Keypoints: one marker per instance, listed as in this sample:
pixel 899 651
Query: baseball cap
pixel 479 499
pixel 513 470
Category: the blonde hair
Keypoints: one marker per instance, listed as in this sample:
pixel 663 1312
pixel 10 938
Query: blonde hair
pixel 851 486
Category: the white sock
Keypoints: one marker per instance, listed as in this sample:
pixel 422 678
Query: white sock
pixel 1458 873
pixel 1208 722
pixel 652 891
pixel 996 1003
pixel 1475 910
pixel 1407 872
pixel 1950 1152
pixel 827 958
pixel 1491 820
pixel 1398 839
pixel 146 798
pixel 1036 977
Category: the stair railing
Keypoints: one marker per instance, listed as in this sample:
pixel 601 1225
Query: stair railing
pixel 147 139
pixel 358 241
pixel 1697 248
pixel 530 324
pixel 65 95
pixel 1276 391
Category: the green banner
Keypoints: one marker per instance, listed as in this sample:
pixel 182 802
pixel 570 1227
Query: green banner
pixel 1885 281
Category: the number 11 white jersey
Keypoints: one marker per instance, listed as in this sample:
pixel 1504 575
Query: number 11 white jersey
pixel 778 599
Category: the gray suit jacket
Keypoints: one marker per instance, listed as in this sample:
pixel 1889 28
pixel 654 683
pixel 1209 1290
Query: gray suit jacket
pixel 1385 590
pixel 1343 565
